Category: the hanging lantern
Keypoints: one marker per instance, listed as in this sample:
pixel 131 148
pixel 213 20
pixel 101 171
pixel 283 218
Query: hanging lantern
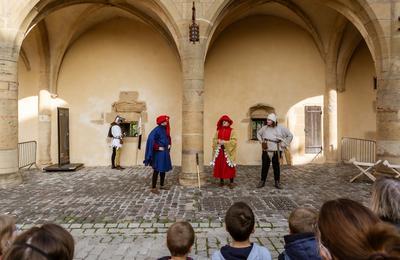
pixel 194 29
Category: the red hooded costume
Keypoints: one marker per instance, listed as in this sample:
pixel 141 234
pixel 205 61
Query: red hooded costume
pixel 224 155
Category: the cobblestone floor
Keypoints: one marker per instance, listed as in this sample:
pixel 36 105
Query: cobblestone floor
pixel 112 214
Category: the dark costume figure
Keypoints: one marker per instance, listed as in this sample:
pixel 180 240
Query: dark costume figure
pixel 224 151
pixel 274 138
pixel 158 151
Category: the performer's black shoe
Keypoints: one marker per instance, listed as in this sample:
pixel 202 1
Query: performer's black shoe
pixel 113 167
pixel 261 184
pixel 164 188
pixel 155 191
pixel 232 185
pixel 277 185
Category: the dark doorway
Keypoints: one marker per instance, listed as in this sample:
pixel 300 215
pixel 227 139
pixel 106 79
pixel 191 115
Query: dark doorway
pixel 63 135
pixel 64 163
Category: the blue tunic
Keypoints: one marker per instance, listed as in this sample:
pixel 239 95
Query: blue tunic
pixel 159 160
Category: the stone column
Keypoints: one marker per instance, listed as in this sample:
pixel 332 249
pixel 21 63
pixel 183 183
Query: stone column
pixel 44 102
pixel 388 101
pixel 192 56
pixel 8 114
pixel 330 114
pixel 44 135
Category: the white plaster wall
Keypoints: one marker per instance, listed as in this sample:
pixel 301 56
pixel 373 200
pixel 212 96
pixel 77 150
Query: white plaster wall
pixel 261 60
pixel 28 90
pixel 118 55
pixel 357 114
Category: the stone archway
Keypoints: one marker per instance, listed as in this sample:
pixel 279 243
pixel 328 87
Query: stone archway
pixel 23 18
pixel 153 12
pixel 359 14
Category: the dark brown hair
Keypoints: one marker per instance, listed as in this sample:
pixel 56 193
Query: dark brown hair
pixel 303 220
pixel 239 221
pixel 7 228
pixel 180 238
pixel 48 242
pixel 351 231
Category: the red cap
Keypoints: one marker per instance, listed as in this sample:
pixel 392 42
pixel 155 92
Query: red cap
pixel 161 119
pixel 164 118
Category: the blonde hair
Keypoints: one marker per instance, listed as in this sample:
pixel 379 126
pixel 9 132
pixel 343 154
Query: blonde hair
pixel 385 200
pixel 7 228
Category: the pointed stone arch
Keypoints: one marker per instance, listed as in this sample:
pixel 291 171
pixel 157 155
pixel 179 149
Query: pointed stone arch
pixel 152 12
pixel 231 7
pixel 359 12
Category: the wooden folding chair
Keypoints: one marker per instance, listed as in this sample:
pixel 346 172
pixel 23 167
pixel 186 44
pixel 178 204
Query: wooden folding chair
pixel 366 169
pixel 394 167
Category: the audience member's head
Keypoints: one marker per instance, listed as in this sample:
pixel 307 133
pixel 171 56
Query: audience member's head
pixel 385 200
pixel 239 221
pixel 303 220
pixel 7 232
pixel 351 231
pixel 48 242
pixel 180 238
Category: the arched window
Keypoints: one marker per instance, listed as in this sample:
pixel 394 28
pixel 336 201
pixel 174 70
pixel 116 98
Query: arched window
pixel 258 115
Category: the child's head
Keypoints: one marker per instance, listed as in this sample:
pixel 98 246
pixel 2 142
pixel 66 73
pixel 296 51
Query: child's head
pixel 50 241
pixel 303 220
pixel 239 221
pixel 7 231
pixel 180 238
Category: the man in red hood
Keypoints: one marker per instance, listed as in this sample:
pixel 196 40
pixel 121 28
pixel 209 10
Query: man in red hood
pixel 158 151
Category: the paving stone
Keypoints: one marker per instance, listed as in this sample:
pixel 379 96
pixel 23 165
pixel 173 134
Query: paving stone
pixel 111 225
pixel 123 225
pixel 204 225
pixel 75 226
pixel 101 231
pixel 146 225
pixel 133 225
pixel 99 225
pixel 116 217
pixel 89 231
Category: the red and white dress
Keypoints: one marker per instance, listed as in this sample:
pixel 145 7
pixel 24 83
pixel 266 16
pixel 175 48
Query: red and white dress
pixel 224 155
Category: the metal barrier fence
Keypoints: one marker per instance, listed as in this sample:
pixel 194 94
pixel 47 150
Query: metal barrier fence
pixel 27 154
pixel 361 150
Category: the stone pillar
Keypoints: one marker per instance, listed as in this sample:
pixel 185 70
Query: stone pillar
pixel 388 102
pixel 192 111
pixel 44 134
pixel 8 114
pixel 330 114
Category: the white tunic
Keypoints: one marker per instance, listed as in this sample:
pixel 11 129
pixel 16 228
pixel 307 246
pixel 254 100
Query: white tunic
pixel 277 133
pixel 117 135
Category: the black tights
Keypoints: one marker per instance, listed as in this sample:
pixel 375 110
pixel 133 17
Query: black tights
pixel 222 180
pixel 114 152
pixel 266 162
pixel 155 176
